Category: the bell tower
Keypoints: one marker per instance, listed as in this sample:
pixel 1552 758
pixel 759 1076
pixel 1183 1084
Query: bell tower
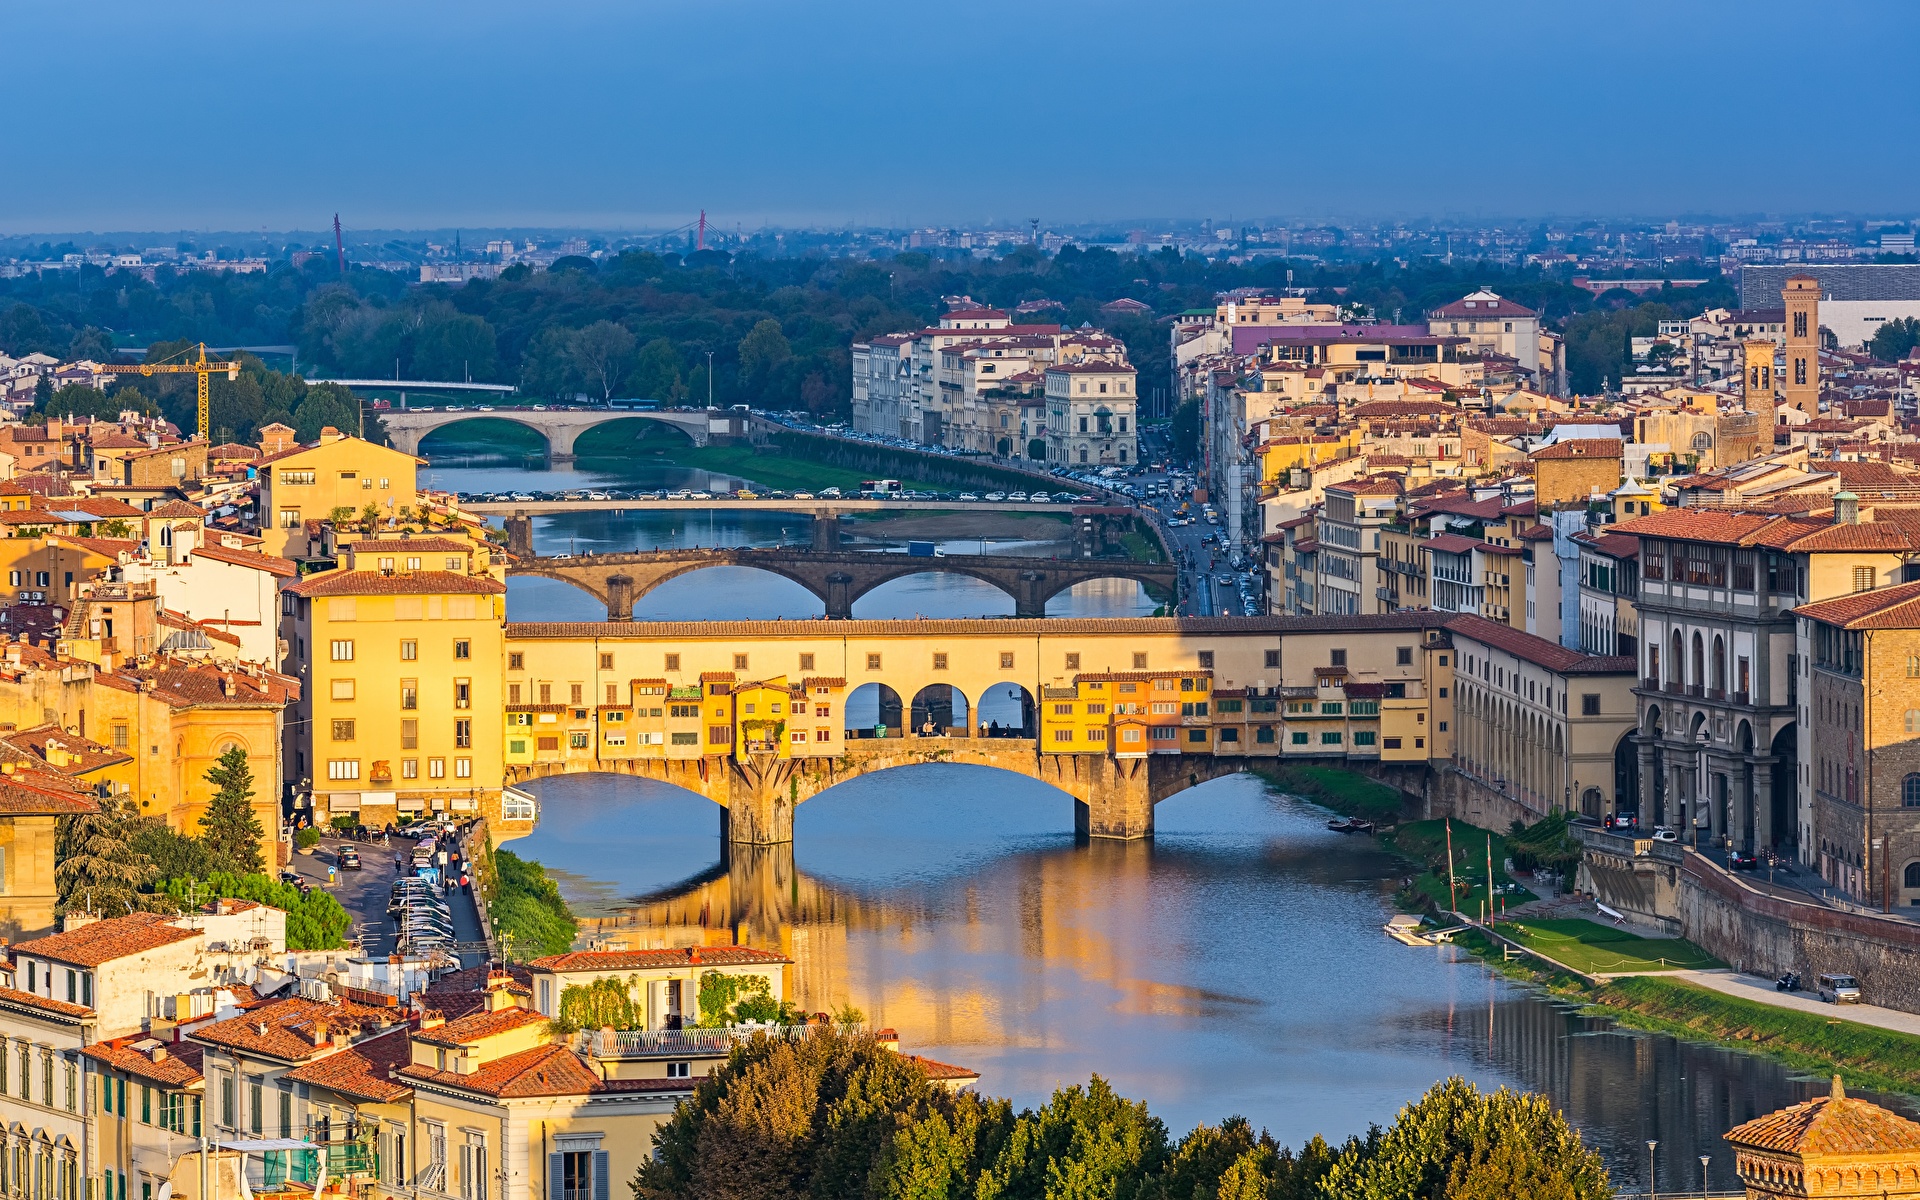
pixel 1757 389
pixel 1801 380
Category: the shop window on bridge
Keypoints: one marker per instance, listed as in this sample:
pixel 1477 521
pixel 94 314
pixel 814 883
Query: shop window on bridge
pixel 673 662
pixel 1363 737
pixel 806 662
pixel 1197 735
pixel 1206 660
pixel 1297 738
pixel 1227 706
pixel 549 743
pixel 1164 733
pixel 1196 708
pixel 686 739
pixel 719 735
pixel 1390 743
pixel 1229 735
pixel 1264 735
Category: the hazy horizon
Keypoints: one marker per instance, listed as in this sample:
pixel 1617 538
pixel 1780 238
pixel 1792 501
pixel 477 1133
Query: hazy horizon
pixel 600 116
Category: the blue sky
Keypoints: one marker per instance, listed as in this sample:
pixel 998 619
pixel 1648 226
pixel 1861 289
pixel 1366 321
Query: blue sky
pixel 238 115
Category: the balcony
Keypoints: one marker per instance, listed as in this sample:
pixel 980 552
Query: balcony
pixel 1716 693
pixel 1741 699
pixel 1651 683
pixel 1697 691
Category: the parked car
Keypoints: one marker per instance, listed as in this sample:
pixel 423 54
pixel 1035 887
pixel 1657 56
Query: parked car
pixel 349 859
pixel 1839 989
pixel 1665 833
pixel 1742 862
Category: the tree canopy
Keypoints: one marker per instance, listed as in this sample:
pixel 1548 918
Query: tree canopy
pixel 231 831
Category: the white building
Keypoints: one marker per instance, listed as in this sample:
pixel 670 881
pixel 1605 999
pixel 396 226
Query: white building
pixel 1090 414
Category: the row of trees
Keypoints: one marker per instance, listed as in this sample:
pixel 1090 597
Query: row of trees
pixel 777 330
pixel 835 1115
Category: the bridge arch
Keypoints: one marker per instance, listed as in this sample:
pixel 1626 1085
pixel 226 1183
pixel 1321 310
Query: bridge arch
pixel 939 707
pixel 559 427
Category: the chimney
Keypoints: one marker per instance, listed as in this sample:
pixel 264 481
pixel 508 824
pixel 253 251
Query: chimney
pixel 1846 508
pixel 320 1033
pixel 73 920
pixel 158 1054
pixel 693 955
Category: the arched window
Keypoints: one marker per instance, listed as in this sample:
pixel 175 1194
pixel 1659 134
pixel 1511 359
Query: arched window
pixel 1719 663
pixel 1678 665
pixel 1910 792
pixel 1699 661
pixel 1912 875
pixel 1702 442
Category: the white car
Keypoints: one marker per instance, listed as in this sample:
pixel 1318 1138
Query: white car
pixel 832 493
pixel 699 496
pixel 679 494
pixel 996 497
pixel 803 495
pixel 1017 497
pixel 1666 833
pixel 968 496
pixel 1040 498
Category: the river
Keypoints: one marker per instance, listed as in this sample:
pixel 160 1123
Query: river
pixel 1235 964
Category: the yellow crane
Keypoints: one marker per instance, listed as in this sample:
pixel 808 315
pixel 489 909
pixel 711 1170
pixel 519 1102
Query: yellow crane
pixel 201 367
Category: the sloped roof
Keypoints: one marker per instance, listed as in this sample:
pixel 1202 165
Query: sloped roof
pixel 1834 1124
pixel 541 1071
pixel 1897 607
pixel 103 941
pixel 1538 650
pixel 630 960
pixel 373 583
pixel 172 1064
pixel 364 1070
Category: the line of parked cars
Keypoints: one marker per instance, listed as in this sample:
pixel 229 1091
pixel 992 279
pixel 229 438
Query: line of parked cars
pixel 830 493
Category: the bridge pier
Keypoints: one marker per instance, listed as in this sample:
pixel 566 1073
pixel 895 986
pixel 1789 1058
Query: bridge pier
pixel 839 597
pixel 620 598
pixel 520 535
pixel 826 530
pixel 1031 598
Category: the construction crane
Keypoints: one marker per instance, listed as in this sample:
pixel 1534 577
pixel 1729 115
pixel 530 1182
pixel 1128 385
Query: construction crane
pixel 202 367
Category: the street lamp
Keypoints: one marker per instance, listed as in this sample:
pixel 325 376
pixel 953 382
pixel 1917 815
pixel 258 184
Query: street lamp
pixel 1704 1160
pixel 1650 1145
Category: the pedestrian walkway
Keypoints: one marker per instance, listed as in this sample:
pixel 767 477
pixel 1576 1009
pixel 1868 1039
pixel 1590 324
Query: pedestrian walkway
pixel 1749 987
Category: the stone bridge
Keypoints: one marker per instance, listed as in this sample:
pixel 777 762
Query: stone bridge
pixel 561 427
pixel 1113 797
pixel 840 577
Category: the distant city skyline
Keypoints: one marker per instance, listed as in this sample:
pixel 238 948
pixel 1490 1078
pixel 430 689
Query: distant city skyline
pixel 599 115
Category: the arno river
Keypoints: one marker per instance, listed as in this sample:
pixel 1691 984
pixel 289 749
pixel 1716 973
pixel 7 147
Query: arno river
pixel 1234 965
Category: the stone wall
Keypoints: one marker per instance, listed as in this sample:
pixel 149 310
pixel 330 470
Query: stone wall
pixel 1453 792
pixel 1635 876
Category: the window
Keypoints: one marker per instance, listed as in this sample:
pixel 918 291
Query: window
pixel 409 693
pixel 1197 735
pixel 342 650
pixel 120 733
pixel 1910 792
pixel 341 689
pixel 1264 735
pixel 576 693
pixel 606 662
pixel 1392 743
pixel 1403 656
pixel 256 1117
pixel 410 767
pixel 1063 710
pixel 516 661
pixel 1863 579
pixel 463 732
pixel 739 662
pixel 437 767
pixel 410 650
pixel 226 1101
pixel 939 662
pixel 1363 737
pixel 1297 738
pixel 1331 738
pixel 462 648
pixel 1589 705
pixel 1337 658
pixel 463 767
pixel 298 478
pixel 343 768
pixel 686 739
pixel 1139 662
pixel 1063 735
pixel 463 693
pixel 1273 658
pixel 1206 660
pixel 578 1175
pixel 873 662
pixel 343 731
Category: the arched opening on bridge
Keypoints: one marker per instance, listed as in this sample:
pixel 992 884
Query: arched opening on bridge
pixel 632 437
pixel 1782 832
pixel 1107 597
pixel 873 710
pixel 1626 774
pixel 939 708
pixel 1008 710
pixel 942 594
pixel 481 441
pixel 727 593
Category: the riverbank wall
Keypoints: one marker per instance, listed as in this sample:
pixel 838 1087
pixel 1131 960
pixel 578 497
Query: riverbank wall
pixel 1751 927
pixel 1453 791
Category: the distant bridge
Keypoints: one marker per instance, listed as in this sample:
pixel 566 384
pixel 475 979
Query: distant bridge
pixel 419 385
pixel 840 577
pixel 817 506
pixel 560 427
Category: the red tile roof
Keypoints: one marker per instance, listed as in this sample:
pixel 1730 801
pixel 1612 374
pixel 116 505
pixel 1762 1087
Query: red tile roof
pixel 1453 543
pixel 364 1070
pixel 288 1029
pixel 270 563
pixel 373 583
pixel 170 1064
pixel 1538 650
pixel 103 941
pixel 1581 448
pixel 541 1071
pixel 1834 1124
pixel 634 960
pixel 475 1026
pixel 1897 607
pixel 29 1000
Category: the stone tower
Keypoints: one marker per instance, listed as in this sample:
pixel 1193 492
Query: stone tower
pixel 1756 389
pixel 1801 382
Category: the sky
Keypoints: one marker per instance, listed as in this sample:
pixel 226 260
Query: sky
pixel 618 114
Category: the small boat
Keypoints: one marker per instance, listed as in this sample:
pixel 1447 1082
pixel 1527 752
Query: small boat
pixel 1356 825
pixel 1340 825
pixel 1405 929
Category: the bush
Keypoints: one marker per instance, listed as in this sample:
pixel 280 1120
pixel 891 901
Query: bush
pixel 346 823
pixel 307 838
pixel 529 915
pixel 315 921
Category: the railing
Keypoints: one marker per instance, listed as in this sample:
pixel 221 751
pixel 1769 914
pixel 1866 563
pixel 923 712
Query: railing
pixel 1740 698
pixel 1716 693
pixel 650 1043
pixel 1652 683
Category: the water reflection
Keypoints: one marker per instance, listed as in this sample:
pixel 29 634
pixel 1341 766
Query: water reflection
pixel 1234 964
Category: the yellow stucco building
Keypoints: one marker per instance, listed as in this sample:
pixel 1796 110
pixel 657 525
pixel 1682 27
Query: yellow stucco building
pixel 308 483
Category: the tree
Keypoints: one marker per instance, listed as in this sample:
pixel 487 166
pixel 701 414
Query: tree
pixel 91 343
pixel 326 404
pixel 99 869
pixel 455 346
pixel 1894 339
pixel 600 354
pixel 1086 1142
pixel 656 372
pixel 763 349
pixel 1459 1143
pixel 231 831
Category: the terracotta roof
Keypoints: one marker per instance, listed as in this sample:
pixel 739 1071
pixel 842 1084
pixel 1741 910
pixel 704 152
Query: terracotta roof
pixel 272 564
pixel 635 960
pixel 1897 607
pixel 1695 525
pixel 103 941
pixel 1453 543
pixel 1538 650
pixel 1581 448
pixel 1613 545
pixel 475 1026
pixel 996 626
pixel 177 508
pixel 41 742
pixel 1482 307
pixel 364 1070
pixel 57 1007
pixel 288 1029
pixel 373 583
pixel 22 799
pixel 186 684
pixel 942 1072
pixel 1833 1124
pixel 432 545
pixel 541 1071
pixel 170 1064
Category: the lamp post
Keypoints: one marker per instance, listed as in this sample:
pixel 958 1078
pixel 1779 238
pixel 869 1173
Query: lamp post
pixel 1650 1145
pixel 1704 1160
